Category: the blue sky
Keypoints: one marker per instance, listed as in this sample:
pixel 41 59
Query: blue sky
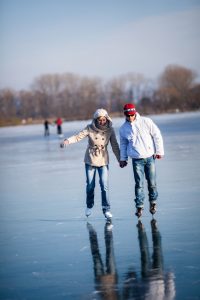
pixel 103 38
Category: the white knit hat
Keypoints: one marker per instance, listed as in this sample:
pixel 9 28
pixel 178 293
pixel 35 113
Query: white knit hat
pixel 102 113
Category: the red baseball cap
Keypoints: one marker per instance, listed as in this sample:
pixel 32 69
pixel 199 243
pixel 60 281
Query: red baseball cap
pixel 129 109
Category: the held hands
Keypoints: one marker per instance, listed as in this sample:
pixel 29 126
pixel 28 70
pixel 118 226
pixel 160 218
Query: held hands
pixel 64 143
pixel 123 163
pixel 158 156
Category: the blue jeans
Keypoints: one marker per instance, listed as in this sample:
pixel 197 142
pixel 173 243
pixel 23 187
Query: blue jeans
pixel 90 185
pixel 141 167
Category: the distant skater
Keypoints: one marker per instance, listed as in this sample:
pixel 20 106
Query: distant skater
pixel 59 126
pixel 141 140
pixel 99 133
pixel 46 128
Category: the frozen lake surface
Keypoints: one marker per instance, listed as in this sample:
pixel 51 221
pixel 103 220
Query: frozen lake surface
pixel 49 250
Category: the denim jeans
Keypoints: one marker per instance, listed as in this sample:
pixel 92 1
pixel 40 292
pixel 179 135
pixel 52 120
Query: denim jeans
pixel 144 167
pixel 90 185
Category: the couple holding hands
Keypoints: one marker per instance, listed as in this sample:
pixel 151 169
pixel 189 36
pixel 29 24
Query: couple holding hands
pixel 140 139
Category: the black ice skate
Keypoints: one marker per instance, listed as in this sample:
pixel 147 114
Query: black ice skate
pixel 152 208
pixel 139 212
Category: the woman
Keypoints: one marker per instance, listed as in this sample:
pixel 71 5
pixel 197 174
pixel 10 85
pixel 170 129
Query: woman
pixel 100 132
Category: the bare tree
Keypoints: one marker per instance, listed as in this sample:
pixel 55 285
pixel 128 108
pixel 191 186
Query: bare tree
pixel 46 89
pixel 89 95
pixel 175 84
pixel 67 97
pixel 125 88
pixel 72 96
pixel 116 94
pixel 145 105
pixel 195 97
pixel 8 104
pixel 135 82
pixel 28 107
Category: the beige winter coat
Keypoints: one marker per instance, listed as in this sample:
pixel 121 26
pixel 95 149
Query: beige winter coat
pixel 96 153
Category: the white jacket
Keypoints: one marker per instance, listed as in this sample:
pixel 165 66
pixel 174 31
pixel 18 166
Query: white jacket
pixel 140 139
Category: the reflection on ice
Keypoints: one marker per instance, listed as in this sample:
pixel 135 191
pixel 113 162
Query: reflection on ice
pixel 156 284
pixel 153 283
pixel 105 277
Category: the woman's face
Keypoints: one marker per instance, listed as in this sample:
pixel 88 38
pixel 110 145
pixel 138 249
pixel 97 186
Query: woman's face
pixel 102 120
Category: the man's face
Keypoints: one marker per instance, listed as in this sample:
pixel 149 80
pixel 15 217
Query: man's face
pixel 130 118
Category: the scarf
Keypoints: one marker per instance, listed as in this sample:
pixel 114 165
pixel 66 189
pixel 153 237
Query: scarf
pixel 101 127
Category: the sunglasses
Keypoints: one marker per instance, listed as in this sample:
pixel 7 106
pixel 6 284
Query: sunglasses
pixel 128 116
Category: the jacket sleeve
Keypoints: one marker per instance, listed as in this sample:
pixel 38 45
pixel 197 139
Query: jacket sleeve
pixel 78 137
pixel 123 147
pixel 115 145
pixel 157 138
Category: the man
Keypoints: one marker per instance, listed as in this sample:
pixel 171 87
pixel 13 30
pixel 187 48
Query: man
pixel 46 128
pixel 59 126
pixel 141 140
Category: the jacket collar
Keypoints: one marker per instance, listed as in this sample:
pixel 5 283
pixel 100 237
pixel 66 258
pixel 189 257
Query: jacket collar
pixel 93 125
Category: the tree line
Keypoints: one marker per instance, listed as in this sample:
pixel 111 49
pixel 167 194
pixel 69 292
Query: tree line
pixel 75 97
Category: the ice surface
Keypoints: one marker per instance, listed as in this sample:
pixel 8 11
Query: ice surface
pixel 49 250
